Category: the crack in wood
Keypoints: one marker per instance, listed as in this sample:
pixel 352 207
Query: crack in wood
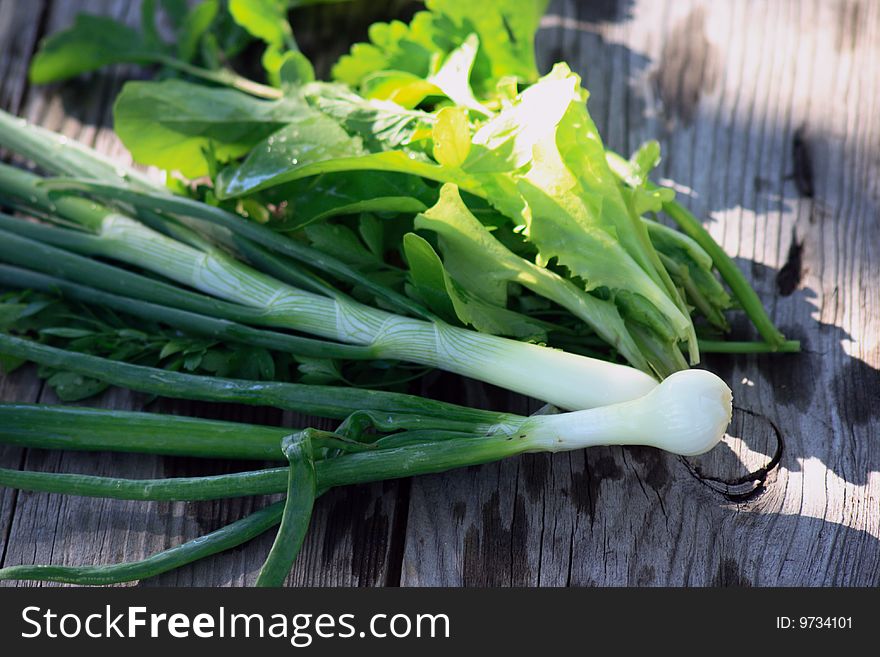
pixel 747 486
pixel 801 155
pixel 789 276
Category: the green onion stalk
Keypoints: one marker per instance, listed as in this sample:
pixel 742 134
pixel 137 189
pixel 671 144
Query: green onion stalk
pixel 389 411
pixel 225 538
pixel 566 380
pixel 686 414
pixel 301 493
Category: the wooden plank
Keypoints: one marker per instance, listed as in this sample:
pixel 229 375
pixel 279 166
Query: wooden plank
pixel 44 525
pixel 732 90
pixel 19 29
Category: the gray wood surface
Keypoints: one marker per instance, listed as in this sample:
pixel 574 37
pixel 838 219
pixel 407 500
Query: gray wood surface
pixel 769 116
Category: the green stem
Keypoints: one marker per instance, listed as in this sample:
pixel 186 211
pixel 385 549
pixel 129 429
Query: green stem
pixel 250 230
pixel 668 240
pixel 214 328
pixel 706 346
pixel 419 459
pixel 188 489
pixel 19 187
pixel 681 275
pixel 391 410
pixel 284 269
pixel 239 484
pixel 38 247
pixel 91 429
pixel 64 427
pixel 742 290
pixel 649 259
pixel 225 77
pixel 301 491
pixel 664 356
pixel 228 537
pixel 736 281
pixel 64 156
pixel 747 347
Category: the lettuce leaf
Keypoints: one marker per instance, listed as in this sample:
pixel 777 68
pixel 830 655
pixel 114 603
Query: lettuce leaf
pixel 505 30
pixel 484 266
pixel 451 300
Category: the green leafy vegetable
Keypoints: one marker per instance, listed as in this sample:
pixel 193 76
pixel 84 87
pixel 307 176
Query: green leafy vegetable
pixel 381 125
pixel 267 21
pixel 264 19
pixel 193 27
pixel 504 29
pixel 446 296
pixel 482 264
pixel 98 331
pixel 170 124
pixel 541 162
pixel 314 199
pixel 92 42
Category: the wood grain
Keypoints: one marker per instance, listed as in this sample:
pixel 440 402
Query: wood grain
pixel 769 118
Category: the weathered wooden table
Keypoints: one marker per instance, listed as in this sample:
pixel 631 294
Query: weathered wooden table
pixel 769 117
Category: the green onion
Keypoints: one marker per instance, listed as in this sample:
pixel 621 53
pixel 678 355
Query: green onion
pixel 228 537
pixel 67 427
pixel 686 414
pixel 256 233
pixel 387 410
pixel 194 323
pixel 301 491
pixel 566 380
pixel 239 484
